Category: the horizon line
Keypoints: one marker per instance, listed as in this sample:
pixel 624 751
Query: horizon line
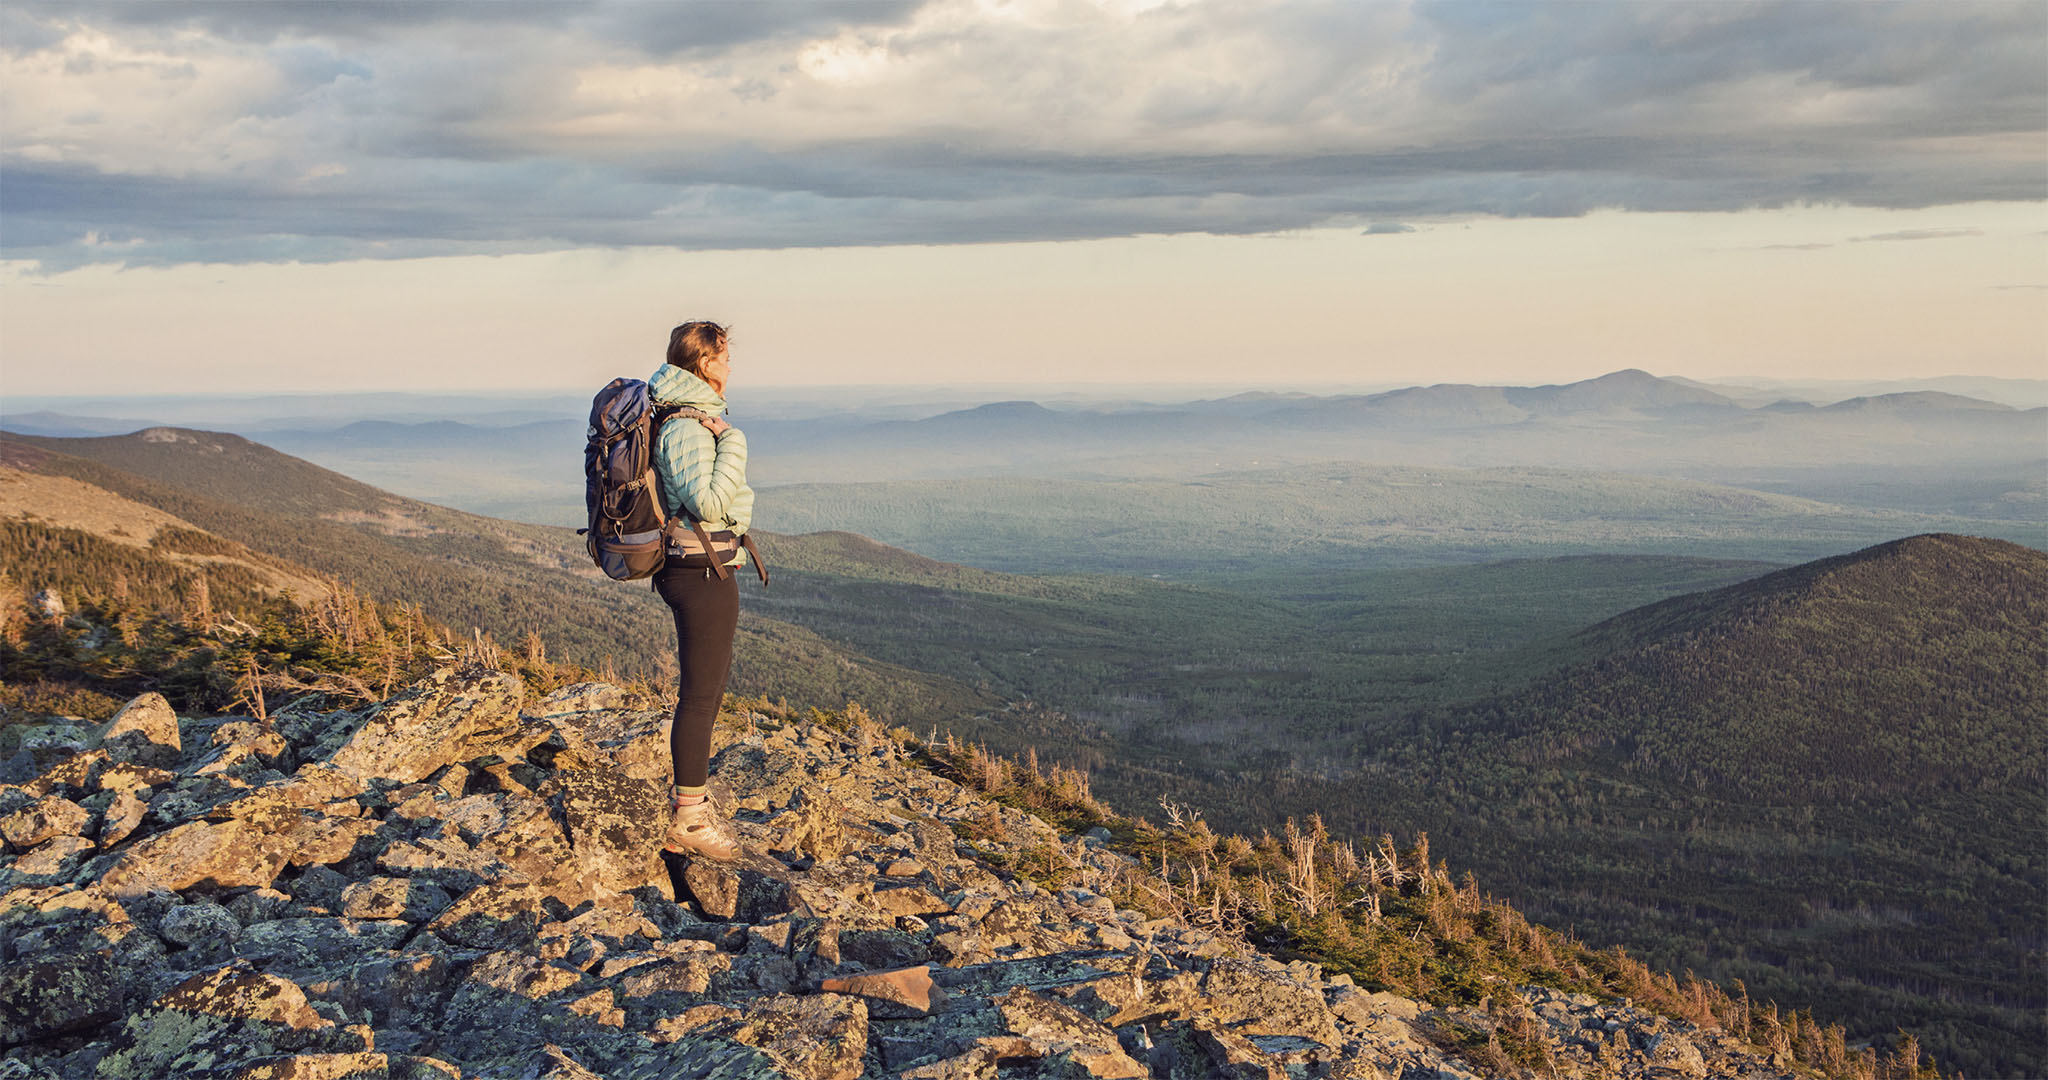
pixel 1041 389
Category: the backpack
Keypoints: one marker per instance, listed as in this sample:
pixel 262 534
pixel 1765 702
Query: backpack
pixel 630 530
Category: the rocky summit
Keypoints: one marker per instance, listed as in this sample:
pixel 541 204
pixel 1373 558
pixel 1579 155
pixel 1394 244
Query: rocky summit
pixel 463 881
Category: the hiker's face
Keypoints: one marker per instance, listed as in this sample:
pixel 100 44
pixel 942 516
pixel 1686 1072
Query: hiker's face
pixel 717 368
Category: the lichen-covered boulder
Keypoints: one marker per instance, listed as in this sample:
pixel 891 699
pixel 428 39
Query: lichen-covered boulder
pixel 715 888
pixel 52 994
pixel 635 740
pixel 443 860
pixel 43 740
pixel 492 916
pixel 560 1066
pixel 1675 1055
pixel 315 949
pixel 494 836
pixel 240 747
pixel 617 824
pixel 909 900
pixel 75 777
pixel 122 817
pixel 276 805
pixel 393 898
pixel 190 799
pixel 882 949
pixel 365 1065
pixel 432 724
pixel 45 819
pixel 1226 1053
pixel 145 731
pixel 320 840
pixel 588 697
pixel 316 735
pixel 762 780
pixel 682 972
pixel 1058 1030
pixel 1018 929
pixel 767 890
pixel 507 1004
pixel 1256 998
pixel 401 990
pixel 132 776
pixel 1137 991
pixel 224 1016
pixel 522 975
pixel 61 859
pixel 226 854
pixel 812 1037
pixel 189 924
pixel 814 825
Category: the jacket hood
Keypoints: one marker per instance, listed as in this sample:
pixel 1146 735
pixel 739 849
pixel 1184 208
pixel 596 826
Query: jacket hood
pixel 675 386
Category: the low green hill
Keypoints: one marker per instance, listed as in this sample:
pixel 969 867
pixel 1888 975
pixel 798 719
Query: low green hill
pixel 1913 666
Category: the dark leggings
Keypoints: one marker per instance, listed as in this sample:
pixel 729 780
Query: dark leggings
pixel 707 613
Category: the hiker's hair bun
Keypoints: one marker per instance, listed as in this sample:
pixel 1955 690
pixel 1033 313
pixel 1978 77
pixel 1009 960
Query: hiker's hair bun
pixel 692 343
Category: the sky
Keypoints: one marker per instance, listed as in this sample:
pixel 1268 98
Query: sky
pixel 332 196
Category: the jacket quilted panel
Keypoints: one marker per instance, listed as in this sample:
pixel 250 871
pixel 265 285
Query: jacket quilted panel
pixel 703 476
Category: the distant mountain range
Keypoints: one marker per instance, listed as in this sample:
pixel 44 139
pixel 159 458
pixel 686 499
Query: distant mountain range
pixel 1755 390
pixel 1935 451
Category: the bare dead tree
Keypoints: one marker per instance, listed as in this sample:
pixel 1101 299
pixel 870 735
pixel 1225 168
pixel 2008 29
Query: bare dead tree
pixel 1304 886
pixel 250 691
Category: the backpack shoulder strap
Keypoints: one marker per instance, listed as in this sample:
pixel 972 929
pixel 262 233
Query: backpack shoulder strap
pixel 662 415
pixel 657 415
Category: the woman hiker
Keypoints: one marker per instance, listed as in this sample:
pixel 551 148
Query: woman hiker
pixel 703 472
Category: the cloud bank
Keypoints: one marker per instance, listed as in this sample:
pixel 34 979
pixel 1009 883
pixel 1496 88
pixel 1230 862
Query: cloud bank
pixel 164 132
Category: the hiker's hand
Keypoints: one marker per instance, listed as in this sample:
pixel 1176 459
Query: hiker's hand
pixel 716 425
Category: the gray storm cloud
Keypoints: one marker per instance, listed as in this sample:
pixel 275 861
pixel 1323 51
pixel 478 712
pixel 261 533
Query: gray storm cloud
pixel 165 132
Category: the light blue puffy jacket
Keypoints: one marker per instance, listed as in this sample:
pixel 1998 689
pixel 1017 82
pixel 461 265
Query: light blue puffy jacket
pixel 700 475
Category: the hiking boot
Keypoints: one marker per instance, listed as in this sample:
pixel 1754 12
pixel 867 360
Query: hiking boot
pixel 700 830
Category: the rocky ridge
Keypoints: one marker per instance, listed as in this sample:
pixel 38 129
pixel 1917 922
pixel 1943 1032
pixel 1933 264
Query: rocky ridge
pixel 463 882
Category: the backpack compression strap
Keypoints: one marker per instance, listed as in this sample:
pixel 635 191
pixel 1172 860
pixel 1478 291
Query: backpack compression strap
pixel 760 567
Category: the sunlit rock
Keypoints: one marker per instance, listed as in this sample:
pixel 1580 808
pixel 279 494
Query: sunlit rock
pixel 145 731
pixel 432 724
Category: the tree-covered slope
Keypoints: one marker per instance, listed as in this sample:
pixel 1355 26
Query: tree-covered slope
pixel 1917 665
pixel 1827 782
pixel 59 533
